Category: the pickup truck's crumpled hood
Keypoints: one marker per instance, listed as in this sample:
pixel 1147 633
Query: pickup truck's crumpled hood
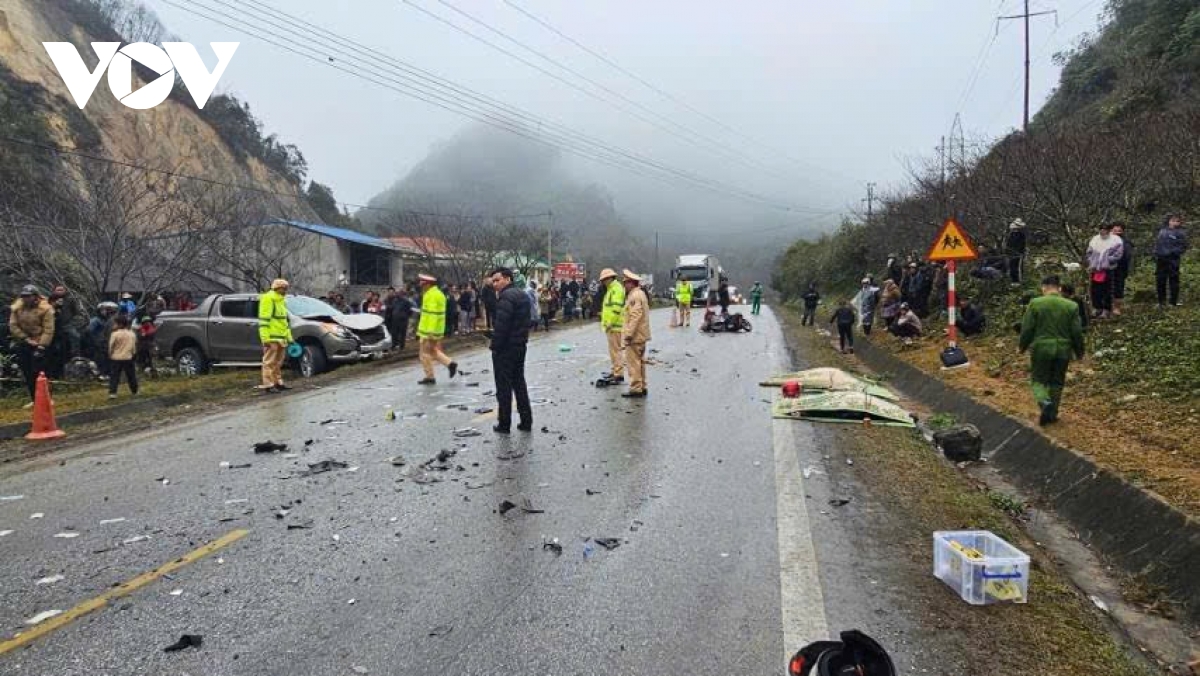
pixel 364 322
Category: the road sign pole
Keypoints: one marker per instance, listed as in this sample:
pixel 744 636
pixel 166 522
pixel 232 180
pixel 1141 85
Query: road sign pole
pixel 952 303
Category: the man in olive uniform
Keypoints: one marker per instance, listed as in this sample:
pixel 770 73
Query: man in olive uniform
pixel 432 328
pixel 612 318
pixel 635 333
pixel 275 333
pixel 1051 331
pixel 683 299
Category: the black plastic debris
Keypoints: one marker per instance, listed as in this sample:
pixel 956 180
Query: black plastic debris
pixel 591 492
pixel 269 446
pixel 471 486
pixel 506 506
pixel 398 461
pixel 607 543
pixel 301 525
pixel 186 641
pixel 528 508
pixel 323 466
pixel 545 430
pixel 333 421
pixel 308 442
pixel 472 384
pixel 960 443
pixel 553 546
pixel 483 410
pixel 464 432
pixel 840 502
pixel 441 630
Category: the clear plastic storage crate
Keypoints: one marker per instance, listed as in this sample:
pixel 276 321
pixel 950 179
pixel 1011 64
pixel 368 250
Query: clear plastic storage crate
pixel 981 567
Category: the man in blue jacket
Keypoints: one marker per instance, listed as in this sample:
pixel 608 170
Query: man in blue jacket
pixel 1169 247
pixel 510 334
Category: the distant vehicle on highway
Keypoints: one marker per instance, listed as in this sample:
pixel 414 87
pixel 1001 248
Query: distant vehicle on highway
pixel 223 331
pixel 702 271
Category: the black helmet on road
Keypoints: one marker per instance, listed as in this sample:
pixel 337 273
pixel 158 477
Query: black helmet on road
pixel 856 654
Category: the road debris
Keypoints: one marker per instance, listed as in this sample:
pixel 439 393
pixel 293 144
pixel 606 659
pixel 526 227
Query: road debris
pixel 301 525
pixel 483 410
pixel 960 443
pixel 228 465
pixel 49 580
pixel 471 486
pixel 591 492
pixel 553 546
pixel 105 522
pixel 809 471
pixel 269 446
pixel 176 592
pixel 608 543
pixel 466 432
pixel 11 498
pixel 323 466
pixel 36 515
pixel 351 602
pixel 4 533
pixel 42 617
pixel 398 461
pixel 185 641
pixel 135 539
pixel 1098 602
pixel 849 461
pixel 840 502
pixel 441 630
pixel 333 421
pixel 67 535
pixel 506 506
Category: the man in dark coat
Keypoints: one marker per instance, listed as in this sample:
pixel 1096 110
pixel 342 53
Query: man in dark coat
pixel 1014 249
pixel 488 295
pixel 510 333
pixel 397 314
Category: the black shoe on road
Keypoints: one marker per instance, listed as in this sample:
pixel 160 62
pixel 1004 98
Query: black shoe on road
pixel 282 388
pixel 525 427
pixel 427 381
pixel 453 368
pixel 501 430
pixel 634 395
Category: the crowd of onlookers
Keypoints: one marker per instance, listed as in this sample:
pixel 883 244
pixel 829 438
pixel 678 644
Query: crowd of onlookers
pixel 471 306
pixel 914 290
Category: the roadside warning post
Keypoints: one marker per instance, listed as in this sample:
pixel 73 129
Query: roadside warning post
pixel 952 245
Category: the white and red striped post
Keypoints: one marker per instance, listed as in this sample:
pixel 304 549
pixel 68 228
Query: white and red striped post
pixel 952 301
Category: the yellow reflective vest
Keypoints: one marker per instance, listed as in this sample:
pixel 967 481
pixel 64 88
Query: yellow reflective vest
pixel 433 314
pixel 273 323
pixel 612 313
pixel 683 292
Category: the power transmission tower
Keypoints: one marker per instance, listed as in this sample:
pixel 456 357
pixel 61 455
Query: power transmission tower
pixel 1026 16
pixel 870 200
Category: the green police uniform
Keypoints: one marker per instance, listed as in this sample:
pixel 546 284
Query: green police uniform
pixel 1051 331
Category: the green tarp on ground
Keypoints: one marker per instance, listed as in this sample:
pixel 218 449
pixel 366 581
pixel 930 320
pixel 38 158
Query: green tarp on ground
pixel 831 380
pixel 845 407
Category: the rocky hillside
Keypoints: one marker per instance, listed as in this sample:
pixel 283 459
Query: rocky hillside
pixel 174 135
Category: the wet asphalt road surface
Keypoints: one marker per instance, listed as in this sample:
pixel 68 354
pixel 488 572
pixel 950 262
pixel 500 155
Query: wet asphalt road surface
pixel 365 569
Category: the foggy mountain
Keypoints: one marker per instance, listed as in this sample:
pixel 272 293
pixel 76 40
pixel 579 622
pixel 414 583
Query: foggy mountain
pixel 491 175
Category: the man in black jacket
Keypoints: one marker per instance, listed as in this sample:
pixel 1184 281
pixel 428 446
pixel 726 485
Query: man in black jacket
pixel 397 314
pixel 1014 249
pixel 510 333
pixel 488 295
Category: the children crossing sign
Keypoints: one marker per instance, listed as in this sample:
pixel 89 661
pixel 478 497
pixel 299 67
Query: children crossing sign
pixel 952 244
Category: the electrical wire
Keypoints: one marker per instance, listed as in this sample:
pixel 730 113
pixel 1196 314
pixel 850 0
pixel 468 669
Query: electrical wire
pixel 667 95
pixel 679 131
pixel 597 152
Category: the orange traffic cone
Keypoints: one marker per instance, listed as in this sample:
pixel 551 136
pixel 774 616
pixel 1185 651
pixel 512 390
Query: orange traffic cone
pixel 44 426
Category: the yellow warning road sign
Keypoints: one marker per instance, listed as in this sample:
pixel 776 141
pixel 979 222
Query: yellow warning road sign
pixel 952 244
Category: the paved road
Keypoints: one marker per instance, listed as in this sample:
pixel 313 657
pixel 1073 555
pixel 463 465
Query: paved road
pixel 394 576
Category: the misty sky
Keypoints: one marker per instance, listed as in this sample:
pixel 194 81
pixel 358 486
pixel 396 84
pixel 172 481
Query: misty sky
pixel 838 93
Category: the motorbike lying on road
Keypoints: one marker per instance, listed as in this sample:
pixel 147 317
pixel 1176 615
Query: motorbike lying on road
pixel 734 323
pixel 855 655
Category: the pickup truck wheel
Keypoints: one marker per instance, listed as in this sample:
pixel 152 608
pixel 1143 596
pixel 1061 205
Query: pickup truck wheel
pixel 312 361
pixel 191 362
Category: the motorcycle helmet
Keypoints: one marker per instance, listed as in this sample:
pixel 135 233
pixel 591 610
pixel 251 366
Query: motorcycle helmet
pixel 855 655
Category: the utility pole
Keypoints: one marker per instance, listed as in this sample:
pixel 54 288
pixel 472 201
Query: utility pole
pixel 1025 16
pixel 655 252
pixel 549 246
pixel 870 200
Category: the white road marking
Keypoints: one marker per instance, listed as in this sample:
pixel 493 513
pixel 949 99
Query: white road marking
pixel 800 596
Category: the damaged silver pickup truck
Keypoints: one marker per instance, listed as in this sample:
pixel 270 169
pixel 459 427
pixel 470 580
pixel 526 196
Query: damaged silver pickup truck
pixel 223 331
